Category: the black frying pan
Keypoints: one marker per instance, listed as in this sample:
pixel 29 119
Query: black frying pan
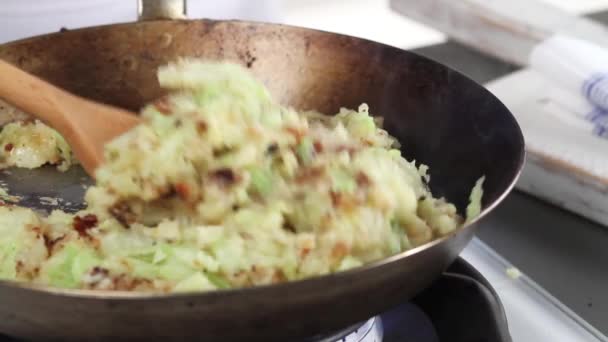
pixel 442 119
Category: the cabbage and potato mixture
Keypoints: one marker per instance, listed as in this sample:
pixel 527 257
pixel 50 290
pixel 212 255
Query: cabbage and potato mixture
pixel 221 187
pixel 30 144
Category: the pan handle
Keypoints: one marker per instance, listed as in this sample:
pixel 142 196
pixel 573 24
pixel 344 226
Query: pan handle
pixel 161 9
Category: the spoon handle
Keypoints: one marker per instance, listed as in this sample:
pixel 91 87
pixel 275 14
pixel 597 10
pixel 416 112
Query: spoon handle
pixel 33 95
pixel 86 125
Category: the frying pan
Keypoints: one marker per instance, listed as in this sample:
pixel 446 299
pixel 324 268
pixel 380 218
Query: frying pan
pixel 442 119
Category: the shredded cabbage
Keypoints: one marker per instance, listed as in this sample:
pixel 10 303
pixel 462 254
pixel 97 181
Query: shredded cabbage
pixel 222 187
pixel 474 207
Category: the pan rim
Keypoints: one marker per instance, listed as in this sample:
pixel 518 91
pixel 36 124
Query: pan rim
pixel 142 296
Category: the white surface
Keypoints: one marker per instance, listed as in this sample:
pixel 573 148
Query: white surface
pixel 550 136
pixel 532 314
pixel 373 19
pixel 579 6
pixel 570 63
pixel 371 331
pixel 20 19
pixel 370 19
pixel 506 29
pixel 527 94
pixel 23 18
pixel 543 111
pixel 565 192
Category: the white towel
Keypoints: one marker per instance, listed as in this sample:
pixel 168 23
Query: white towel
pixel 580 69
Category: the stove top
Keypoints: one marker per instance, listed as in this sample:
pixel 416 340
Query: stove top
pixel 460 307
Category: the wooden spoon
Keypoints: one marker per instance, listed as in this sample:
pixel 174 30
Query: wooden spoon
pixel 86 125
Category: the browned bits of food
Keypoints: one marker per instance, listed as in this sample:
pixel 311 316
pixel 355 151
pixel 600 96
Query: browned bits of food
pixel 336 198
pixel 288 226
pixel 123 214
pixel 246 235
pixel 28 121
pixel 25 271
pixel 182 190
pixel 318 146
pixel 340 250
pixel 350 149
pixel 100 271
pixel 98 278
pixel 304 252
pixel 37 231
pixel 362 179
pixel 8 147
pixel 254 132
pixel 278 277
pixel 298 134
pixel 241 278
pixel 163 105
pixel 309 175
pixel 272 148
pixel 344 201
pixel 165 193
pixel 224 177
pixel 124 282
pixel 201 127
pixel 84 223
pixel 51 243
pixel 19 266
pixel 221 151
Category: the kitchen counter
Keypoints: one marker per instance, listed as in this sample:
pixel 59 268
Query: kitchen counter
pixel 565 254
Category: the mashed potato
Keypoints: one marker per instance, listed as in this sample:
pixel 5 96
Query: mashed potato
pixel 221 187
pixel 31 144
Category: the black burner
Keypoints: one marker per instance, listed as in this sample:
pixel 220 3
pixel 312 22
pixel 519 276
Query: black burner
pixel 462 306
pixel 459 307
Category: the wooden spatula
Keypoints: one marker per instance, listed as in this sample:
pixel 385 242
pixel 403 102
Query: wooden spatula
pixel 86 125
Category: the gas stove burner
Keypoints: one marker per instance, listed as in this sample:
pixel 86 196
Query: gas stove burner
pixel 436 314
pixel 369 331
